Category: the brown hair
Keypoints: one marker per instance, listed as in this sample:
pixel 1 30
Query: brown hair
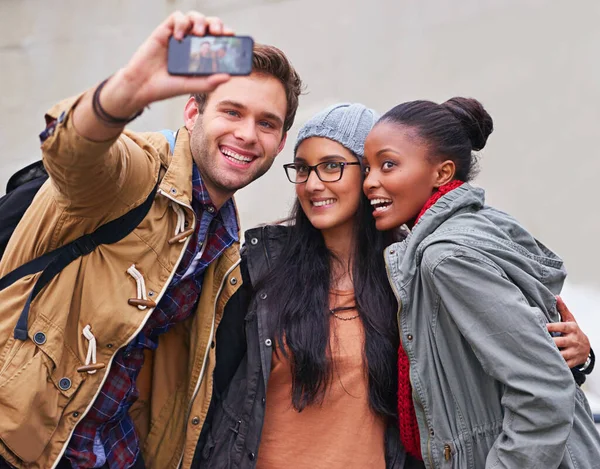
pixel 272 61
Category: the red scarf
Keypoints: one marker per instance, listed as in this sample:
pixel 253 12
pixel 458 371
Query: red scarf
pixel 409 428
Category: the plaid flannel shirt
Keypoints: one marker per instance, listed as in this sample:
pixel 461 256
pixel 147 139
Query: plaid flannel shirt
pixel 107 434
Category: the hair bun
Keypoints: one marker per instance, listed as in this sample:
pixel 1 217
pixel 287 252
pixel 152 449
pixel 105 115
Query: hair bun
pixel 475 119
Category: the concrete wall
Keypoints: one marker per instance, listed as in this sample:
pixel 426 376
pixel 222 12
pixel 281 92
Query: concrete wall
pixel 533 63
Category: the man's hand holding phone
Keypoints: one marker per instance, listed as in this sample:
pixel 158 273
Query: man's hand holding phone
pixel 145 79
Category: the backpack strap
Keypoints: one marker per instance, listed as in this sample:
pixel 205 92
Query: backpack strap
pixel 171 136
pixel 53 262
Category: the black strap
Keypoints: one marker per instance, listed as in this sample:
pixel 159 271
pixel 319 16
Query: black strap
pixel 53 262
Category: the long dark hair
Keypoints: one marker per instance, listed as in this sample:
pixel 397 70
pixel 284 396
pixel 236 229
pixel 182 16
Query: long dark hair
pixel 299 286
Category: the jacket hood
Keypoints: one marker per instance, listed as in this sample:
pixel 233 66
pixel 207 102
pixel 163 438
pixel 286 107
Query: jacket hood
pixel 460 219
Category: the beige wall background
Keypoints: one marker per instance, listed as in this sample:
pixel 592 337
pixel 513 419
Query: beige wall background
pixel 533 63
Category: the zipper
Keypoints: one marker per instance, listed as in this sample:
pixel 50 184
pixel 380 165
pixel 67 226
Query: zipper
pixel 398 299
pixel 414 397
pixel 206 352
pixel 139 329
pixel 418 402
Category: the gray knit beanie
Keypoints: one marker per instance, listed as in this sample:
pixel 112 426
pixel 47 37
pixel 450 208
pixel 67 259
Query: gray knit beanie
pixel 345 123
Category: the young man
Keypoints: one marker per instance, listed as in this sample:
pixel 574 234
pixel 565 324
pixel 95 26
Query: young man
pixel 119 355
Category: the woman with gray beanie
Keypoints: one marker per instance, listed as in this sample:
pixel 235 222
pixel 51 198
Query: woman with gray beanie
pixel 316 386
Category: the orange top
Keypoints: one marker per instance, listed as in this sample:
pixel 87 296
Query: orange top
pixel 342 432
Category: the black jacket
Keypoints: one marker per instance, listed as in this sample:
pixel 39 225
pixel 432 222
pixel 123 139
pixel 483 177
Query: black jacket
pixel 231 434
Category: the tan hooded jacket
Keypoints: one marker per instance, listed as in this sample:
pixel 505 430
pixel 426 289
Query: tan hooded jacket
pixel 90 184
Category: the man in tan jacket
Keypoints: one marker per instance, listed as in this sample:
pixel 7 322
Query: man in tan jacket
pixel 115 368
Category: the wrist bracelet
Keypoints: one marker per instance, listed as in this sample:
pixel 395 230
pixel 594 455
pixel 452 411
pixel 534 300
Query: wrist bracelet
pixel 586 364
pixel 104 116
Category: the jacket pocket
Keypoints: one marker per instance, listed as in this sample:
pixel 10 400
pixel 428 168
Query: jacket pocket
pixel 34 391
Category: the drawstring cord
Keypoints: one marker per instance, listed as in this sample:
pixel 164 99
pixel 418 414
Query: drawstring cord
pixel 91 351
pixel 180 227
pixel 140 284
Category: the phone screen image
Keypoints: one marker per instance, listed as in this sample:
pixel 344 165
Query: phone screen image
pixel 206 55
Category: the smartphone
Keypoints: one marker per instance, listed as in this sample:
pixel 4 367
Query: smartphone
pixel 206 55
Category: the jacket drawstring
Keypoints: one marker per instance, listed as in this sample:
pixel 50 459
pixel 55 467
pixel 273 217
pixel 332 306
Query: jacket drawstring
pixel 141 301
pixel 181 234
pixel 90 358
pixel 180 228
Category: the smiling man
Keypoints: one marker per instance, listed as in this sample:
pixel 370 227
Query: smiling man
pixel 114 367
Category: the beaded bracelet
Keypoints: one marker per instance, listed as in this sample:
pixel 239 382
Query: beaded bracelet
pixel 104 116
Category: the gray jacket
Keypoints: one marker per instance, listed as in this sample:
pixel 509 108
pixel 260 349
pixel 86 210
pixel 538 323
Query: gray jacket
pixel 491 389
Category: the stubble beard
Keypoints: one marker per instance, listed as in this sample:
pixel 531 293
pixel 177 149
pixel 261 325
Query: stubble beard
pixel 209 168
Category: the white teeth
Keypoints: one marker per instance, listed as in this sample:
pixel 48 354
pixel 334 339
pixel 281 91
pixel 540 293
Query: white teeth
pixel 235 156
pixel 381 201
pixel 381 204
pixel 322 203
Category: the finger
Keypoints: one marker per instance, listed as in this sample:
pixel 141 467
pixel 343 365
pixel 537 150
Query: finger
pixel 227 31
pixel 564 312
pixel 556 327
pixel 165 30
pixel 569 357
pixel 181 25
pixel 572 363
pixel 563 342
pixel 207 84
pixel 198 23
pixel 570 327
pixel 215 25
pixel 218 79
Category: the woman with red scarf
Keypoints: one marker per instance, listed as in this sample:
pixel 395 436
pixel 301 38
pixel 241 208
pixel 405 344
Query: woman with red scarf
pixel 482 382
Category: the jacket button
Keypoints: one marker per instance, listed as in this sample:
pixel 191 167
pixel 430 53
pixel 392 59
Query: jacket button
pixel 251 456
pixel 392 252
pixel 268 342
pixel 173 191
pixel 409 337
pixel 195 421
pixel 211 209
pixel 254 241
pixel 233 281
pixel 39 338
pixel 75 414
pixel 264 401
pixel 64 384
pixel 263 296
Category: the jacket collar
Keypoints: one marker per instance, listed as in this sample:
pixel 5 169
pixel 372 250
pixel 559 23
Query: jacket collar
pixel 177 181
pixel 402 258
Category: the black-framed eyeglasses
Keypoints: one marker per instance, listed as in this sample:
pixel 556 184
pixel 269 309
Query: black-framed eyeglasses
pixel 328 171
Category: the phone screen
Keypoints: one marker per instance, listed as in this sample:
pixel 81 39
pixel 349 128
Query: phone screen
pixel 205 55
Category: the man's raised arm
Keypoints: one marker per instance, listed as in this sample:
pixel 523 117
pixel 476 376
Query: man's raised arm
pixel 88 166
